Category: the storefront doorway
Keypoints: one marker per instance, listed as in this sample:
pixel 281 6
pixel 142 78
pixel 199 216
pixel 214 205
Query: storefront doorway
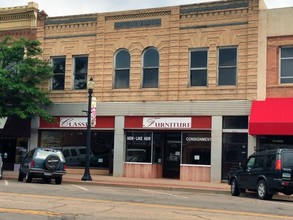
pixel 172 155
pixel 234 152
pixel 7 149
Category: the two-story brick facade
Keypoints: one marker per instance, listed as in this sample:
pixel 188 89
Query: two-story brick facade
pixel 173 86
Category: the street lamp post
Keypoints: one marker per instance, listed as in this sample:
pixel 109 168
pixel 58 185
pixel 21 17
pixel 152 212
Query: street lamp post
pixel 87 175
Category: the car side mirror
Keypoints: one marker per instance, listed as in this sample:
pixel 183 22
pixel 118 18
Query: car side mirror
pixel 240 165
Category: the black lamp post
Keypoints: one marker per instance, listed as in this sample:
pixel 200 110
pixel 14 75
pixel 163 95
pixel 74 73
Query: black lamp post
pixel 87 175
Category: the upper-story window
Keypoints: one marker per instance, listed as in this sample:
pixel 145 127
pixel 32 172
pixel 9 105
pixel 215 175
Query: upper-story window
pixel 151 61
pixel 122 69
pixel 198 67
pixel 227 66
pixel 80 72
pixel 286 73
pixel 58 78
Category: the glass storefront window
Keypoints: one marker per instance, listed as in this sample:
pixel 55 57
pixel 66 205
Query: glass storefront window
pixel 235 122
pixel 74 138
pixel 274 142
pixel 196 148
pixel 138 146
pixel 51 139
pixel 102 148
pixel 73 146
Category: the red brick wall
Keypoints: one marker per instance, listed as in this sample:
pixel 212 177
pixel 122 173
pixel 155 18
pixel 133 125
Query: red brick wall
pixel 27 33
pixel 274 88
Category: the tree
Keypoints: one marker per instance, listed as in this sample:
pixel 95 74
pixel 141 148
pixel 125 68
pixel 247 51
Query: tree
pixel 21 74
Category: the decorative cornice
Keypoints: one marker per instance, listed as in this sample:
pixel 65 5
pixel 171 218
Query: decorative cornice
pixel 213 7
pixel 10 17
pixel 70 20
pixel 138 15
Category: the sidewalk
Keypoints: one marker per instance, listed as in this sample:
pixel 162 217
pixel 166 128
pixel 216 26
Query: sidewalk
pixel 170 184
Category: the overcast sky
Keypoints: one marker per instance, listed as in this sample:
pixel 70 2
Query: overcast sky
pixel 73 7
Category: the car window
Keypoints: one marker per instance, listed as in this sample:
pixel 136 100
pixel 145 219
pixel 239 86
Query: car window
pixel 287 159
pixel 82 150
pixel 250 163
pixel 66 153
pixel 73 152
pixel 30 154
pixel 271 162
pixel 259 162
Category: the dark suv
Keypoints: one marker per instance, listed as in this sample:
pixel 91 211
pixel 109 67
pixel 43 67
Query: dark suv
pixel 266 172
pixel 45 163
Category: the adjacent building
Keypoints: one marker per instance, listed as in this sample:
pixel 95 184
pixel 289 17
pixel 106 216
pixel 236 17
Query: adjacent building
pixel 14 132
pixel 271 119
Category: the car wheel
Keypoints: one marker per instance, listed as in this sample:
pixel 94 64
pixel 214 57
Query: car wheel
pixel 58 180
pixel 28 178
pixel 52 162
pixel 235 191
pixel 20 176
pixel 262 190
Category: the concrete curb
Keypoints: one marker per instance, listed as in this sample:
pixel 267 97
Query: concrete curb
pixel 160 184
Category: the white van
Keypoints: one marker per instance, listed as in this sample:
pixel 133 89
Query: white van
pixel 75 155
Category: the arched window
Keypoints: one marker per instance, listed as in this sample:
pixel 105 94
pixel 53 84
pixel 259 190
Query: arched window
pixel 122 69
pixel 151 61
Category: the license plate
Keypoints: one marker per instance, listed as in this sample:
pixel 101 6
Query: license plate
pixel 286 175
pixel 48 174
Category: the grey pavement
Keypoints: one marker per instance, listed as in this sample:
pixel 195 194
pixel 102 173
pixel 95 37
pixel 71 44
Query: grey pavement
pixel 159 183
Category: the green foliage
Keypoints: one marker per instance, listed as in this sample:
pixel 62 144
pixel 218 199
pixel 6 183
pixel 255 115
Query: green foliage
pixel 21 73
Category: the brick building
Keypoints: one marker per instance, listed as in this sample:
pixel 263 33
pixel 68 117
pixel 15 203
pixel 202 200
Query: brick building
pixel 271 120
pixel 16 22
pixel 173 88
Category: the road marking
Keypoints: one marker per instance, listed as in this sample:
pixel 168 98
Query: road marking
pixel 251 214
pixel 6 183
pixel 30 212
pixel 168 194
pixel 80 187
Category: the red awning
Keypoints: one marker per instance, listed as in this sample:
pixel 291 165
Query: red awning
pixel 274 116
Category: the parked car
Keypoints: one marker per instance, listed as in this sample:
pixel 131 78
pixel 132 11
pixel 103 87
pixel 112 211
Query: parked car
pixel 1 167
pixel 265 172
pixel 45 163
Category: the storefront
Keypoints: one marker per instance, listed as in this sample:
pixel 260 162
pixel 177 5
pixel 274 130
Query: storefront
pixel 14 140
pixel 168 147
pixel 271 121
pixel 69 135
